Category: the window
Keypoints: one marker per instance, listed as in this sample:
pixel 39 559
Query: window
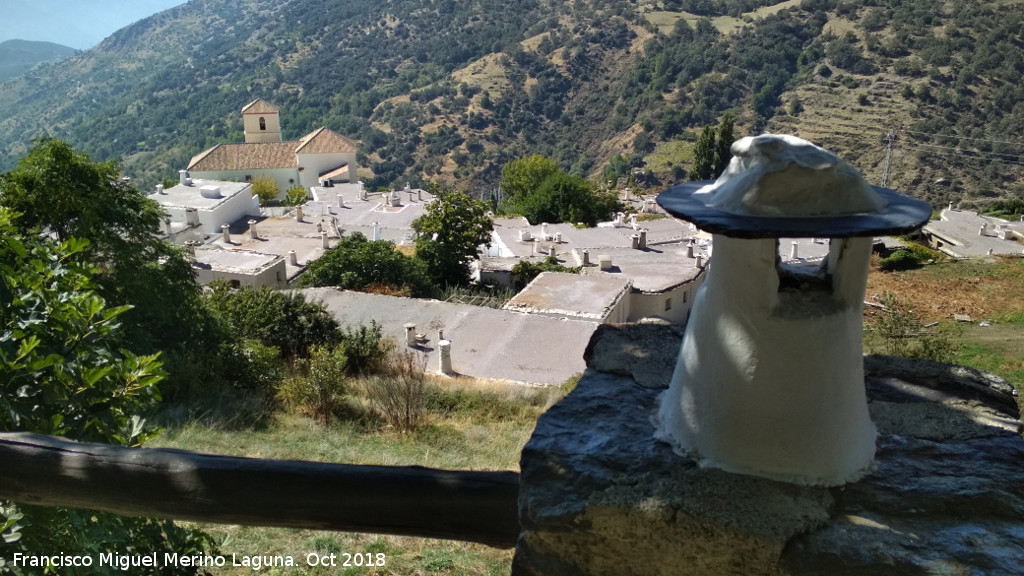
pixel 248 177
pixel 685 294
pixel 668 304
pixel 263 123
pixel 235 283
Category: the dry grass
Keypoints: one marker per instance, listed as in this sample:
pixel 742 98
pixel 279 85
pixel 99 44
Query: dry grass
pixel 990 289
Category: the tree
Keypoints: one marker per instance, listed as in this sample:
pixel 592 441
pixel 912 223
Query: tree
pixel 521 177
pixel 449 235
pixel 265 189
pixel 565 198
pixel 64 372
pixel 359 264
pixel 286 321
pixel 723 144
pixel 60 191
pixel 704 156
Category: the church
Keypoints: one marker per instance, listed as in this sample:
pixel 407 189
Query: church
pixel 320 158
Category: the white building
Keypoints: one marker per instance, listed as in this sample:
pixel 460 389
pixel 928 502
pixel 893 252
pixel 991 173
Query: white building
pixel 322 156
pixel 206 204
pixel 240 267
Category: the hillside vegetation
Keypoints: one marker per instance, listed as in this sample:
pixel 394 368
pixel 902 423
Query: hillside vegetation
pixel 451 91
pixel 20 56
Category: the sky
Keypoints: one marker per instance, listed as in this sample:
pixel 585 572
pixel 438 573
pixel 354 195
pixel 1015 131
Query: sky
pixel 79 24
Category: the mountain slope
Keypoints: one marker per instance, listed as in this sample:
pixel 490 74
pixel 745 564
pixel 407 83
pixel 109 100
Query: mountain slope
pixel 20 56
pixel 448 90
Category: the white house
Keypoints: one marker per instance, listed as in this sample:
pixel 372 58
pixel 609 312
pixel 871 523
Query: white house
pixel 320 157
pixel 206 204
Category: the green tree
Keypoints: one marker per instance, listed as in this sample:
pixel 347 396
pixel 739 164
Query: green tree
pixel 64 372
pixel 565 198
pixel 704 156
pixel 60 191
pixel 522 177
pixel 265 189
pixel 449 235
pixel 359 264
pixel 284 320
pixel 295 196
pixel 723 144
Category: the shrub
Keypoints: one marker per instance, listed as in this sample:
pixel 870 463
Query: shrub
pixel 365 347
pixel 321 391
pixel 400 394
pixel 265 189
pixel 295 196
pixel 899 332
pixel 899 260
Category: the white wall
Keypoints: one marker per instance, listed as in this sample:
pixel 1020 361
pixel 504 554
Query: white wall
pixel 315 164
pixel 274 276
pixel 649 305
pixel 279 175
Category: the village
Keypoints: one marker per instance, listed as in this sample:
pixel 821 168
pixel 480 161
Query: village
pixel 644 266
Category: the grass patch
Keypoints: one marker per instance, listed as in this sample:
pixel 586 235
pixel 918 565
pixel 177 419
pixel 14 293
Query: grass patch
pixel 668 155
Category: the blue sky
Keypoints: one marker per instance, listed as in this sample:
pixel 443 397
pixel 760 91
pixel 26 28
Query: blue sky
pixel 76 23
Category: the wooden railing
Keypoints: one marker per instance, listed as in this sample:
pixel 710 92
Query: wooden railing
pixel 410 501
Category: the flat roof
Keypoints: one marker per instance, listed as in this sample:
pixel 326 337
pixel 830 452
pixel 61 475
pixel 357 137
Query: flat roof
pixel 182 196
pixel 486 343
pixel 235 260
pixel 960 227
pixel 656 269
pixel 571 295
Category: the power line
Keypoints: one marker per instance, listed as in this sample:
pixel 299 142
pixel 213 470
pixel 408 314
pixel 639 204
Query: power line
pixel 964 138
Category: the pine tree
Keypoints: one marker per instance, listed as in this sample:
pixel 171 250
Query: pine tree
pixel 704 156
pixel 723 147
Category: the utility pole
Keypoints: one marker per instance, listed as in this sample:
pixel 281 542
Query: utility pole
pixel 889 139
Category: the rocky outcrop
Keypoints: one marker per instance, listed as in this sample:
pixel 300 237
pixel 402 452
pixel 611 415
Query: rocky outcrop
pixel 600 496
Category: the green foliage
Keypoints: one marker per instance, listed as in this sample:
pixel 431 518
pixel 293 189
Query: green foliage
pixel 723 144
pixel 521 178
pixel 295 196
pixel 265 189
pixel 65 373
pixel 908 257
pixel 565 198
pixel 321 390
pixel 899 332
pixel 704 156
pixel 283 320
pixel 1011 209
pixel 449 234
pixel 525 271
pixel 359 264
pixel 365 348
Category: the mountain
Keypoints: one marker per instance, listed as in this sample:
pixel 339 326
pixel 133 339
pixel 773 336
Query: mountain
pixel 73 22
pixel 451 90
pixel 20 56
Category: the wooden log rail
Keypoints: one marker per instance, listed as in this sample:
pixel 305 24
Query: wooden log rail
pixel 409 501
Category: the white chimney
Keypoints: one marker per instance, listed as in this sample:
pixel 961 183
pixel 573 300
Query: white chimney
pixel 341 200
pixel 159 188
pixel 604 262
pixel 293 259
pixel 634 241
pixel 167 223
pixel 544 230
pixel 225 233
pixel 440 334
pixel 419 194
pixel 558 237
pixel 525 236
pixel 324 241
pixel 376 231
pixel 981 231
pixel 643 238
pixel 252 230
pixel 794 251
pixel 410 334
pixel 192 217
pixel 951 205
pixel 689 249
pixel 445 355
pixel 586 258
pixel 552 250
pixel 209 191
pixel 632 221
pixel 298 213
pixel 699 262
pixel 183 178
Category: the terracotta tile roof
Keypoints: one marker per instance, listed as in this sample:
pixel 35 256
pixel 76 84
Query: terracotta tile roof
pixel 336 172
pixel 251 156
pixel 258 106
pixel 324 141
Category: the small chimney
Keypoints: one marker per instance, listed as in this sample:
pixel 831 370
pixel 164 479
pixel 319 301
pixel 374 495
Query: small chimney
pixel 535 248
pixel 410 197
pixel 632 221
pixel 159 188
pixel 525 236
pixel 183 178
pixel 794 251
pixel 951 205
pixel 376 231
pixel 989 251
pixel 445 357
pixel 298 213
pixel 689 249
pixel 552 250
pixel 440 334
pixel 604 262
pixel 324 241
pixel 634 241
pixel 419 194
pixel 699 262
pixel 225 233
pixel 643 239
pixel 292 258
pixel 341 200
pixel 192 217
pixel 558 237
pixel 544 230
pixel 252 230
pixel 410 334
pixel 586 258
pixel 167 223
